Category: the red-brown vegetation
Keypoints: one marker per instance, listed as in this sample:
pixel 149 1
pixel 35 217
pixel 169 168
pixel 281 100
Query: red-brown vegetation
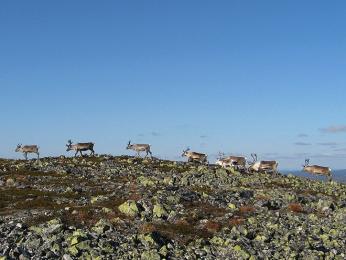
pixel 295 207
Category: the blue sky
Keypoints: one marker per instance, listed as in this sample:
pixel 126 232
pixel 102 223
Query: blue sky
pixel 233 76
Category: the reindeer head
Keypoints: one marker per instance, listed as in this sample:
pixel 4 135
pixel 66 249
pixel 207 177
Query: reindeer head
pixel 19 146
pixel 219 162
pixel 69 145
pixel 129 145
pixel 307 161
pixel 185 152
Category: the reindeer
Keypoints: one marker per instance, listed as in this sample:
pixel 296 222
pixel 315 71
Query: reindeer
pixel 28 149
pixel 79 147
pixel 195 157
pixel 238 162
pixel 262 166
pixel 316 169
pixel 140 148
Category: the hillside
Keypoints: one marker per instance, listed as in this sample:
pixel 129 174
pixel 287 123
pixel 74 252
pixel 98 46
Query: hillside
pixel 132 208
pixel 338 175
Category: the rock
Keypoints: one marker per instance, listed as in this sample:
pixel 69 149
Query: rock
pixel 150 255
pixel 68 189
pixel 99 198
pixel 145 181
pixel 231 206
pixel 246 194
pixel 242 253
pixel 24 257
pixel 73 250
pixel 163 251
pixel 53 226
pixel 36 229
pixel 101 226
pixel 66 257
pixel 173 199
pixel 129 208
pixel 84 245
pixel 272 204
pixel 33 244
pixel 10 182
pixel 106 210
pixel 217 241
pixel 147 240
pixel 107 247
pixel 159 211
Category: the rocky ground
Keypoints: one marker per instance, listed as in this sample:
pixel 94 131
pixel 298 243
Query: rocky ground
pixel 108 207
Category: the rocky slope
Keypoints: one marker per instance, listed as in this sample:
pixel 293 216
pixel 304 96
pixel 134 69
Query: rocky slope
pixel 129 208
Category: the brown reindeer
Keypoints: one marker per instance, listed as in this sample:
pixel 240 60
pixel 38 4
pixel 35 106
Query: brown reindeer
pixel 262 166
pixel 28 149
pixel 80 147
pixel 316 169
pixel 237 162
pixel 194 156
pixel 140 148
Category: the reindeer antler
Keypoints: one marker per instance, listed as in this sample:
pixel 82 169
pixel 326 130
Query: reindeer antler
pixel 187 149
pixel 254 157
pixel 221 155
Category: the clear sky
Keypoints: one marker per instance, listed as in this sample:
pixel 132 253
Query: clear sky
pixel 233 76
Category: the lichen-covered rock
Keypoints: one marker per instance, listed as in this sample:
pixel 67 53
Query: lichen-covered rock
pixel 101 226
pixel 145 181
pixel 98 199
pixel 159 211
pixel 150 255
pixel 129 208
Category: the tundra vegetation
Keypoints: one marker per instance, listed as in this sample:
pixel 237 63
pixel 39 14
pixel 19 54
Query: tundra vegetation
pixel 134 208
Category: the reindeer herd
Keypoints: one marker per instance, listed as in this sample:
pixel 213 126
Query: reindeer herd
pixel 239 163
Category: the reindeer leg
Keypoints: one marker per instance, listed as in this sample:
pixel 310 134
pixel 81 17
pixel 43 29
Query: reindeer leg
pixel 151 154
pixel 38 156
pixel 26 156
pixel 92 152
pixel 81 154
pixel 75 155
